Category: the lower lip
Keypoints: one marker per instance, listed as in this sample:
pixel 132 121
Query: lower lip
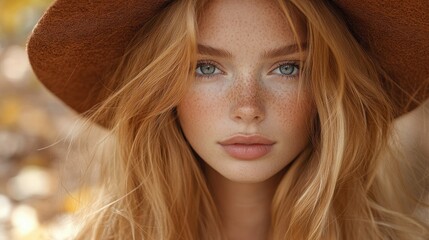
pixel 247 152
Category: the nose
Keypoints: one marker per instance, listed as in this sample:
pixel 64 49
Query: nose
pixel 247 102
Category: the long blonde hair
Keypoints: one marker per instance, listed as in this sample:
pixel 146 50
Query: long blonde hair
pixel 152 185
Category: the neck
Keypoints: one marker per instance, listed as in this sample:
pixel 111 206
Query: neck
pixel 244 208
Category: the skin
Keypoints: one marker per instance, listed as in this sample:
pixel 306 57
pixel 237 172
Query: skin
pixel 412 131
pixel 411 138
pixel 246 94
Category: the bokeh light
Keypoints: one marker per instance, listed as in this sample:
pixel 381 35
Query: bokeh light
pixel 40 185
pixel 15 66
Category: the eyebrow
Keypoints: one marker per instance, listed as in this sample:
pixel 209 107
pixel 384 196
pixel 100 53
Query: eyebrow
pixel 272 53
pixel 207 50
pixel 284 50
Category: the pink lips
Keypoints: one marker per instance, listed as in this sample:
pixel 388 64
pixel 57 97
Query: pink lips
pixel 247 147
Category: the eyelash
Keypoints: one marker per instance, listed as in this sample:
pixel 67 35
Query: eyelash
pixel 208 62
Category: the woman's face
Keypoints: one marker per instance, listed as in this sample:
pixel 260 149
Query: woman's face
pixel 246 86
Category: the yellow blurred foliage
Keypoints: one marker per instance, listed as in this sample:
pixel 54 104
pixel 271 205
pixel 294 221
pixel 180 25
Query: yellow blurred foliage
pixel 10 109
pixel 11 13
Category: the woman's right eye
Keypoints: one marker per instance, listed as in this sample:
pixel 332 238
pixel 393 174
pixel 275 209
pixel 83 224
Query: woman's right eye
pixel 207 69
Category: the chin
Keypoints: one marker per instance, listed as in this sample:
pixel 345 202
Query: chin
pixel 249 176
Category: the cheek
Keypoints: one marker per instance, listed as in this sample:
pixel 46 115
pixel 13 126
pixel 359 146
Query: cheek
pixel 198 111
pixel 295 111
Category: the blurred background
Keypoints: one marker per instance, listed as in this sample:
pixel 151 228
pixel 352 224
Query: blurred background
pixel 39 169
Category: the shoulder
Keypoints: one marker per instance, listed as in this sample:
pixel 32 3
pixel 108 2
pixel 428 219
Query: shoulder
pixel 411 134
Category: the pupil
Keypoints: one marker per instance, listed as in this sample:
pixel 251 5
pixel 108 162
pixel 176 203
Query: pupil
pixel 207 69
pixel 287 69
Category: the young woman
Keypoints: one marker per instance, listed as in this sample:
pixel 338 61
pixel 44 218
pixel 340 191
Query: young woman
pixel 247 119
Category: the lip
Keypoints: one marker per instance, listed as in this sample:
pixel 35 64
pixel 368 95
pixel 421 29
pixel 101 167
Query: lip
pixel 247 147
pixel 247 139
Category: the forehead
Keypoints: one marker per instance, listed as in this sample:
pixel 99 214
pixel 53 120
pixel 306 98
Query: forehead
pixel 256 22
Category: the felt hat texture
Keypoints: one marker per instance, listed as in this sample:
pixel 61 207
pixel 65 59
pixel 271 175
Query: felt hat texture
pixel 77 44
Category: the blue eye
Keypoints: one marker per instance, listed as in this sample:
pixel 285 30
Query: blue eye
pixel 206 69
pixel 287 69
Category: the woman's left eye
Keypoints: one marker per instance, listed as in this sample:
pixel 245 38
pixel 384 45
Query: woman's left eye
pixel 287 69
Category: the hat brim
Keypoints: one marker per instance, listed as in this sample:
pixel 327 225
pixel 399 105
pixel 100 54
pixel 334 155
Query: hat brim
pixel 76 44
pixel 396 33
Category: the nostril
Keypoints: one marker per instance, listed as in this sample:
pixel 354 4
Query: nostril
pixel 248 114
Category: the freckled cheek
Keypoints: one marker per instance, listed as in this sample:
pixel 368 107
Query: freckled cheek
pixel 293 112
pixel 200 109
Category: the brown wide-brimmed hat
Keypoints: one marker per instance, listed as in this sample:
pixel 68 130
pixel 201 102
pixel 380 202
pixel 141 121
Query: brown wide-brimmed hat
pixel 77 43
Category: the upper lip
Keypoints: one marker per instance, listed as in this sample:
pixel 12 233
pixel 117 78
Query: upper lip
pixel 247 139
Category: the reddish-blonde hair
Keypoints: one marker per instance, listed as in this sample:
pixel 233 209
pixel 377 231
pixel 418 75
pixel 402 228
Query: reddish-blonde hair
pixel 346 185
